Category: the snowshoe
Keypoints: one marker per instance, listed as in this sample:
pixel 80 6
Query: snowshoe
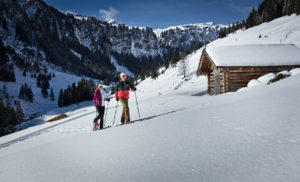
pixel 96 126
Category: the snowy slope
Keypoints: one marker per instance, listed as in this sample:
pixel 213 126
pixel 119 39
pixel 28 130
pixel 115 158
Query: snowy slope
pixel 243 136
pixel 43 107
pixel 251 135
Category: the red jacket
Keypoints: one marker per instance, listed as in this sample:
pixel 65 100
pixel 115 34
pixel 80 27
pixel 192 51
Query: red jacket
pixel 123 88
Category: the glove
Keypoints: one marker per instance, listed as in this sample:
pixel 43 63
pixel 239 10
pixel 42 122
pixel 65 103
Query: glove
pixel 133 89
pixel 117 99
pixel 108 99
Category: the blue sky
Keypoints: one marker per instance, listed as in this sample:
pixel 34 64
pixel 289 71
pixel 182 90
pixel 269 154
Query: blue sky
pixel 160 13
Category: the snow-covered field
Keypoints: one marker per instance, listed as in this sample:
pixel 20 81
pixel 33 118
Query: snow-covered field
pixel 245 136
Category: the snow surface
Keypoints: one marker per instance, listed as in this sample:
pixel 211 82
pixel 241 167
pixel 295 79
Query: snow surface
pixel 240 136
pixel 254 55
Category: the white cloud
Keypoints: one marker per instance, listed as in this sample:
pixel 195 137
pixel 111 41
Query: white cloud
pixel 108 15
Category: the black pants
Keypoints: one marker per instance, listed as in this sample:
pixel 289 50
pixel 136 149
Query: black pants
pixel 100 111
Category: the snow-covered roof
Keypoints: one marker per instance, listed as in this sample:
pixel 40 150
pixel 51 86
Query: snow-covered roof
pixel 254 55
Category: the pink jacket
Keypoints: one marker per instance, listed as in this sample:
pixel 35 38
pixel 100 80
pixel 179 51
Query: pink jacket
pixel 97 98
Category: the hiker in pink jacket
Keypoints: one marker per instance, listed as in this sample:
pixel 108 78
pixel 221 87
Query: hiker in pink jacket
pixel 99 101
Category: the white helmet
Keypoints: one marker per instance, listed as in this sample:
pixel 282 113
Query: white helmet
pixel 122 75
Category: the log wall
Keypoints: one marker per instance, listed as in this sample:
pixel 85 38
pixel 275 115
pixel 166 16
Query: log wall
pixel 239 77
pixel 234 78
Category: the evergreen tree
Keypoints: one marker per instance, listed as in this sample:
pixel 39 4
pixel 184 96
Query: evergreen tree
pixel 51 94
pixel 22 92
pixel 3 121
pixel 154 72
pixel 24 73
pixel 39 81
pixel 4 24
pixel 4 90
pixel 44 91
pixel 29 94
pixel 25 93
pixel 12 122
pixel 290 6
pixel 166 64
pixel 222 33
pixel 297 7
pixel 175 59
pixel 19 113
pixel 61 98
pixel 142 75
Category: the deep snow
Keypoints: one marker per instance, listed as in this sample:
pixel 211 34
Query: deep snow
pixel 242 136
pixel 250 135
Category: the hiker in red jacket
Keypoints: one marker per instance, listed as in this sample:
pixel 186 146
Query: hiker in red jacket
pixel 122 94
pixel 99 101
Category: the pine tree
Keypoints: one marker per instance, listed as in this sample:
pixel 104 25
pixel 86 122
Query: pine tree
pixel 4 24
pixel 51 94
pixel 25 93
pixel 44 91
pixel 12 122
pixel 61 98
pixel 222 33
pixel 176 58
pixel 29 94
pixel 39 81
pixel 291 6
pixel 24 73
pixel 252 19
pixel 22 92
pixel 154 72
pixel 143 75
pixel 297 7
pixel 166 64
pixel 4 90
pixel 19 113
pixel 3 120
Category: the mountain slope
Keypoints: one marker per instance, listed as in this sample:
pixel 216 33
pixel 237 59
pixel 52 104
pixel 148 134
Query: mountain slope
pixel 84 45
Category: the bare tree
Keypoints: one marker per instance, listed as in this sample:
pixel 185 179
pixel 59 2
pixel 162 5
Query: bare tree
pixel 183 68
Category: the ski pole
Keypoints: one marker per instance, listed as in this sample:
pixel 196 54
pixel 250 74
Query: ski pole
pixel 105 114
pixel 115 113
pixel 137 105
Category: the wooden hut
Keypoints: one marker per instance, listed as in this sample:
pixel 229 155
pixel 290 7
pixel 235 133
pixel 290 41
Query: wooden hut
pixel 229 68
